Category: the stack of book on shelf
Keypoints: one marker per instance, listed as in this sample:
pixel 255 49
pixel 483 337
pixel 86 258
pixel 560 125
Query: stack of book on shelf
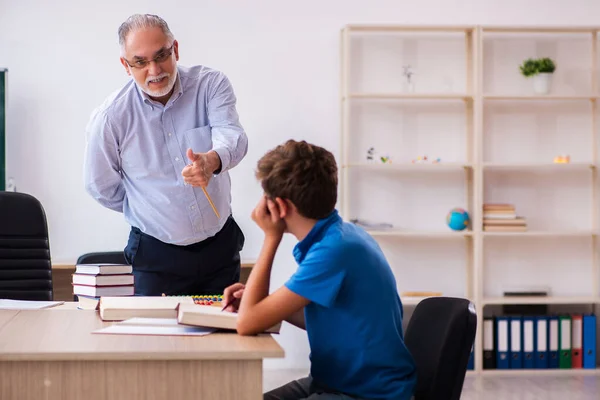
pixel 560 341
pixel 502 218
pixel 91 281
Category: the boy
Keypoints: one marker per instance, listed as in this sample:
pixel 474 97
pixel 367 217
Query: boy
pixel 343 286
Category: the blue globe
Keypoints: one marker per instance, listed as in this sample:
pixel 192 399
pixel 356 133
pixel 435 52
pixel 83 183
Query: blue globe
pixel 457 219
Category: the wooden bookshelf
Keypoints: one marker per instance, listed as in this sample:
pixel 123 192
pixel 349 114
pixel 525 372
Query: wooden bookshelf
pixel 372 59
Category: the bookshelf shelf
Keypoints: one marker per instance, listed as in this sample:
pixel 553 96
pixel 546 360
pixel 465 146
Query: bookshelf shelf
pixel 540 372
pixel 423 234
pixel 550 167
pixel 402 167
pixel 540 300
pixel 542 234
pixel 369 29
pixel 547 97
pixel 497 140
pixel 409 96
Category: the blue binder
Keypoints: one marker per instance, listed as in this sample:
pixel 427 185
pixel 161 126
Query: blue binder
pixel 589 341
pixel 516 342
pixel 553 342
pixel 541 342
pixel 529 341
pixel 502 342
pixel 471 364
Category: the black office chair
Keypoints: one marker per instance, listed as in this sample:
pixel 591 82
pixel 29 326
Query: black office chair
pixel 105 257
pixel 25 264
pixel 440 335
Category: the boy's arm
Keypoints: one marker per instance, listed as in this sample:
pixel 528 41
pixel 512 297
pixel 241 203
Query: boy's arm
pixel 258 310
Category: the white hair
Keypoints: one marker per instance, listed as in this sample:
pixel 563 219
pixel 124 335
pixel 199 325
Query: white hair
pixel 143 21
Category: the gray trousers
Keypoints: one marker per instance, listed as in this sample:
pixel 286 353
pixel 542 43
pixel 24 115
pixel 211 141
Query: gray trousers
pixel 304 389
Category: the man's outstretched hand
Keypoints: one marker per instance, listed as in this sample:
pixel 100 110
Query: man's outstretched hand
pixel 201 168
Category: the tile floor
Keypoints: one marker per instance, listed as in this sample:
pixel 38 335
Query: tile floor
pixel 493 387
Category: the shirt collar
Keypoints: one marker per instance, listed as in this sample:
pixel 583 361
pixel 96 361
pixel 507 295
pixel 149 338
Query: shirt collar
pixel 314 235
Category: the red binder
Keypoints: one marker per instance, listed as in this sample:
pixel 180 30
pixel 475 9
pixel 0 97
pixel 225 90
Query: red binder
pixel 577 341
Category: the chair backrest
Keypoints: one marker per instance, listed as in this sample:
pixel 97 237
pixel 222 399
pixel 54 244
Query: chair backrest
pixel 440 336
pixel 25 264
pixel 104 257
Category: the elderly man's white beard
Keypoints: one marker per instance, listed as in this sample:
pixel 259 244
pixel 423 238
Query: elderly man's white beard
pixel 160 92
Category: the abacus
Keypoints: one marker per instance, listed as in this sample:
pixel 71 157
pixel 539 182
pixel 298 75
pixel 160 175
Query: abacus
pixel 208 300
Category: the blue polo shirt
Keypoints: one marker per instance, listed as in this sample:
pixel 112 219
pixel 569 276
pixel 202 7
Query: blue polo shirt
pixel 354 319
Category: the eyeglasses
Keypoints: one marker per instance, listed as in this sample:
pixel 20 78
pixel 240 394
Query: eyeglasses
pixel 160 58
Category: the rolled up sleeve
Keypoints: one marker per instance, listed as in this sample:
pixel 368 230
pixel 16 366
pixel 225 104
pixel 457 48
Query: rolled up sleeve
pixel 229 139
pixel 102 172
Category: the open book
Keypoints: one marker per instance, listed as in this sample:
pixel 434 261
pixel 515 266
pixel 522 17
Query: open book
pixel 211 317
pixel 119 308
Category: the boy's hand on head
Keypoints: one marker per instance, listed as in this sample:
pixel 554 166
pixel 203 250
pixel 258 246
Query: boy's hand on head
pixel 267 216
pixel 232 296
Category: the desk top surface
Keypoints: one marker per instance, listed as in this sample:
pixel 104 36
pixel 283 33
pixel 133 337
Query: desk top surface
pixel 64 333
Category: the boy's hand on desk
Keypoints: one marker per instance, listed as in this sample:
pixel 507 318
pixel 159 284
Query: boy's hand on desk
pixel 232 296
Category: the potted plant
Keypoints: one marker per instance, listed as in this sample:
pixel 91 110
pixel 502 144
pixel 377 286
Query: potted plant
pixel 540 70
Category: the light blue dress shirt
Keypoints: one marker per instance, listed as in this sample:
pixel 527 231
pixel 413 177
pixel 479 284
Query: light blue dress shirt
pixel 136 149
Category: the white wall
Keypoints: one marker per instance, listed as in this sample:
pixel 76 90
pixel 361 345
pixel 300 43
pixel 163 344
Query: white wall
pixel 282 58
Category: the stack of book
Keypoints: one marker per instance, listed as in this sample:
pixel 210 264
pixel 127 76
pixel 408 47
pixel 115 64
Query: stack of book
pixel 160 313
pixel 92 281
pixel 502 218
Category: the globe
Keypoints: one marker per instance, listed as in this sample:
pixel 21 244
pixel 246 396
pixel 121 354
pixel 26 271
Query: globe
pixel 457 219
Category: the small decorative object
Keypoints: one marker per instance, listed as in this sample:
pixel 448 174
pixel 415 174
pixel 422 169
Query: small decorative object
pixel 424 159
pixel 457 219
pixel 563 159
pixel 372 225
pixel 11 186
pixel 540 70
pixel 385 159
pixel 409 84
pixel 370 154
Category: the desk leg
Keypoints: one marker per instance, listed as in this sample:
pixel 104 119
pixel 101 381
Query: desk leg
pixel 127 380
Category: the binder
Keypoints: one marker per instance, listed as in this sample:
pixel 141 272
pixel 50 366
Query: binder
pixel 589 341
pixel 489 339
pixel 553 342
pixel 516 343
pixel 529 340
pixel 564 339
pixel 502 343
pixel 471 363
pixel 576 341
pixel 541 342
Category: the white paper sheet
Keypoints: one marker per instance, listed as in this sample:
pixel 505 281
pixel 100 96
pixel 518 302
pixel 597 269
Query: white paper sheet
pixel 9 304
pixel 137 329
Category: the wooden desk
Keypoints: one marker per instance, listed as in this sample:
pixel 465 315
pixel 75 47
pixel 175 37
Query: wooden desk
pixel 52 354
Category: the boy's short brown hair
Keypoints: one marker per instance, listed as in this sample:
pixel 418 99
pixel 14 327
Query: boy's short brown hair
pixel 303 173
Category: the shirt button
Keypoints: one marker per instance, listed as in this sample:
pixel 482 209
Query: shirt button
pixel 176 158
pixel 193 207
pixel 169 134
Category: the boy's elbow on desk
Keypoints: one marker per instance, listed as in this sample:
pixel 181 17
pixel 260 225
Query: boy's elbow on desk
pixel 244 328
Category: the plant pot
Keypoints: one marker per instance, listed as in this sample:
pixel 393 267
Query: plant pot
pixel 542 83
